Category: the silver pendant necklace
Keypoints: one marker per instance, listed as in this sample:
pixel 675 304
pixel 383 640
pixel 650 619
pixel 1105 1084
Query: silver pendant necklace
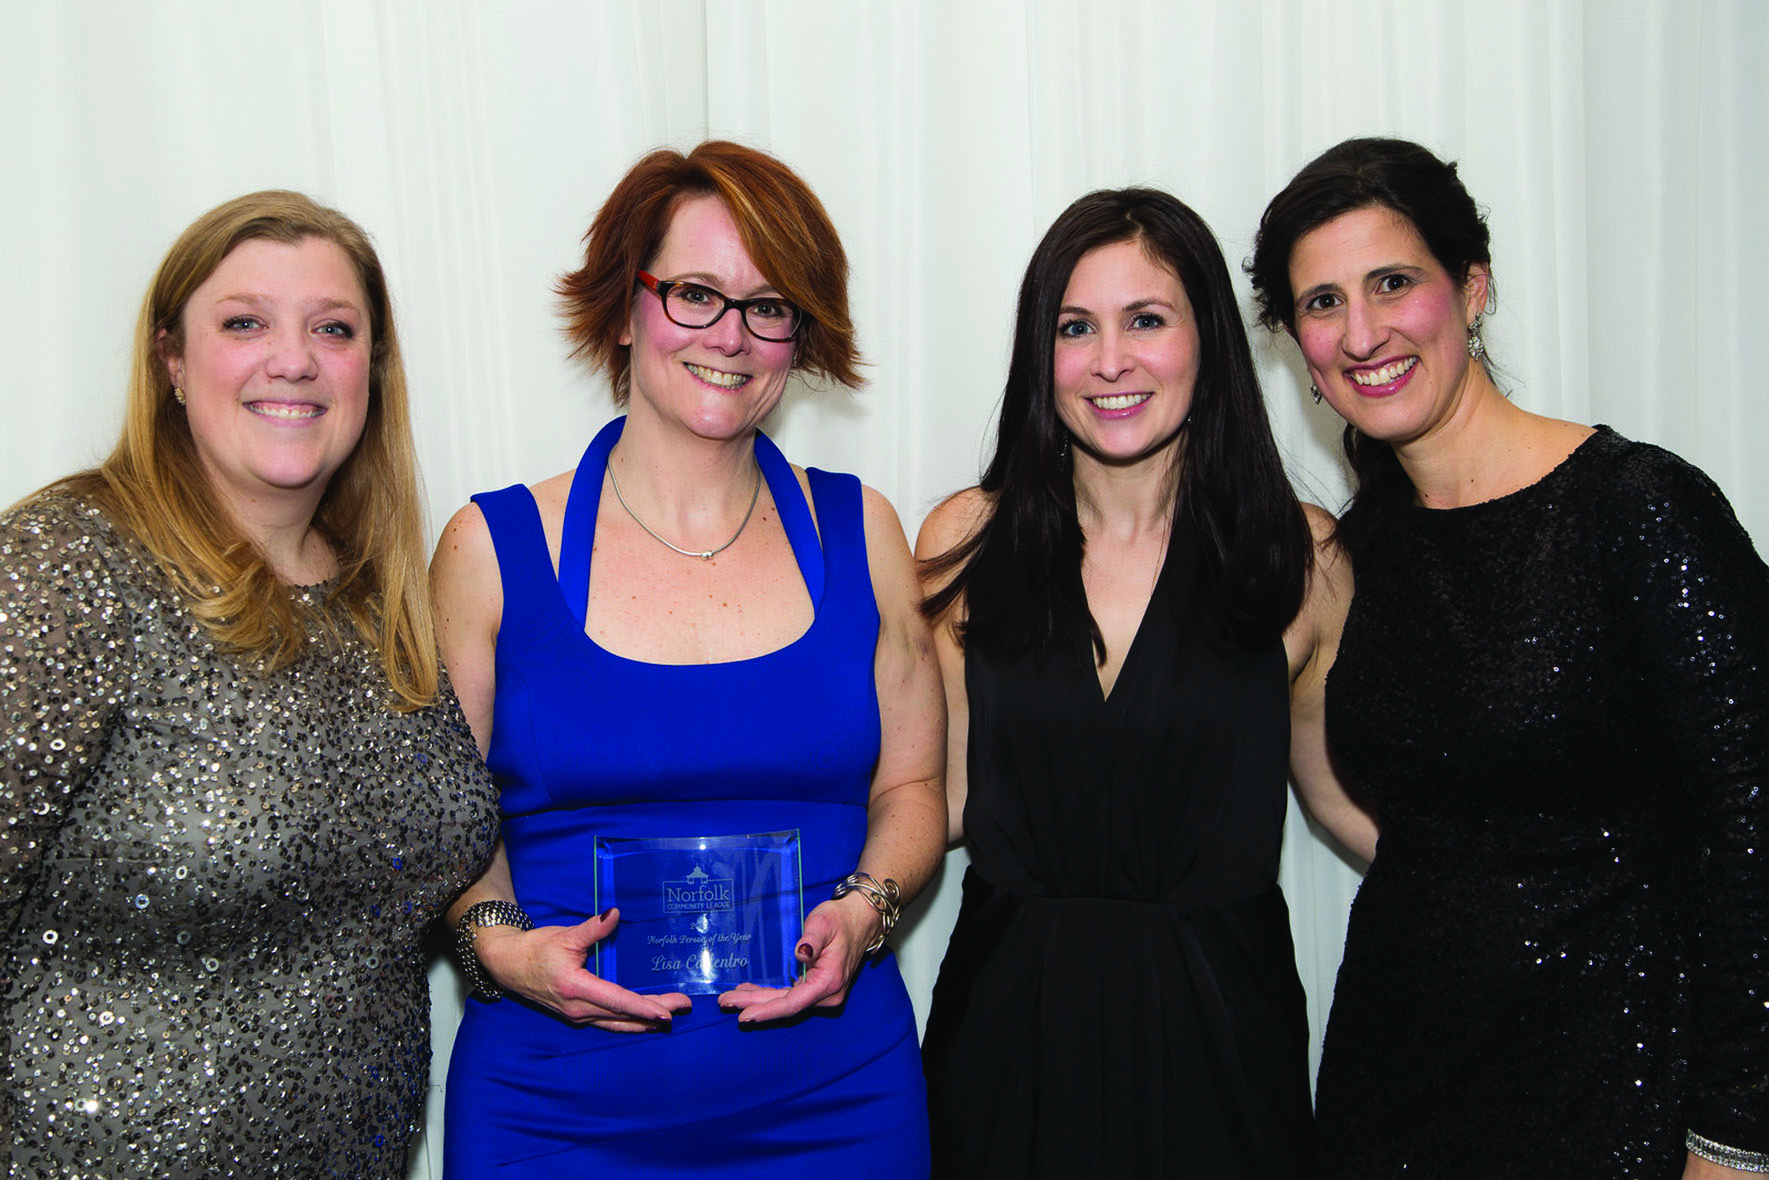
pixel 755 494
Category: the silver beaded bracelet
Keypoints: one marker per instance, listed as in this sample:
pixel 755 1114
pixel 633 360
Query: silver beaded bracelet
pixel 485 913
pixel 885 896
pixel 1731 1157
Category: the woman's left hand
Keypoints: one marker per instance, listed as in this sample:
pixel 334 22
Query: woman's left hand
pixel 832 948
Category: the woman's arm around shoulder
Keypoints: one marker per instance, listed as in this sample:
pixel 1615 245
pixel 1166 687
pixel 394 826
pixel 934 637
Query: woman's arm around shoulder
pixel 906 812
pixel 1311 643
pixel 953 522
pixel 546 964
pixel 906 816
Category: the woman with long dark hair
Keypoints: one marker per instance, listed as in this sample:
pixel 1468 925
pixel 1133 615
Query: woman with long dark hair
pixel 1551 685
pixel 1121 608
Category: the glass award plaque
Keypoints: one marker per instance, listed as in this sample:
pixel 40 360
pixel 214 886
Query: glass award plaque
pixel 700 914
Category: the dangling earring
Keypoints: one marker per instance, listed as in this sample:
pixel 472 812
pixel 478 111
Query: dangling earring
pixel 1314 391
pixel 1476 346
pixel 1063 455
pixel 178 394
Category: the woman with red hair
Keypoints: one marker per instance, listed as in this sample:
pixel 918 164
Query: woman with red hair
pixel 688 637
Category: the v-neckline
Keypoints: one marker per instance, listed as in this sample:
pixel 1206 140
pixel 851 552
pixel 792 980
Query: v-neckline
pixel 1106 695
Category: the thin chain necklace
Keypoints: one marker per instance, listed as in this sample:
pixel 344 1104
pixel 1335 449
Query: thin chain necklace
pixel 704 555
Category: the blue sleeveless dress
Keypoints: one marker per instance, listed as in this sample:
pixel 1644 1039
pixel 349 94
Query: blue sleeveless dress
pixel 586 743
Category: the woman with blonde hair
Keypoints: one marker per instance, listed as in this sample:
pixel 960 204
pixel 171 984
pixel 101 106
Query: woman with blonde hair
pixel 235 787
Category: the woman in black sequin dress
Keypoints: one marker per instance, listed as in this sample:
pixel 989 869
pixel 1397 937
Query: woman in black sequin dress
pixel 1552 684
pixel 234 786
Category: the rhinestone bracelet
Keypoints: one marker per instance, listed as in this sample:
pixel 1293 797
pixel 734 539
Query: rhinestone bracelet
pixel 884 896
pixel 1731 1157
pixel 485 913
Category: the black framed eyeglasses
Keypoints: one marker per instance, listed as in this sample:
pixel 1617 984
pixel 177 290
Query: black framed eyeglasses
pixel 694 305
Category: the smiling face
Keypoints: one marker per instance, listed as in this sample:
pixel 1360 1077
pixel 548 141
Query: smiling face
pixel 1383 326
pixel 1126 355
pixel 717 382
pixel 274 363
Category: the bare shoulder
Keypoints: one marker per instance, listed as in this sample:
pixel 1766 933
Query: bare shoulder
pixel 1330 564
pixel 550 495
pixel 895 587
pixel 885 541
pixel 465 543
pixel 952 522
pixel 878 504
pixel 1313 636
pixel 465 581
pixel 466 538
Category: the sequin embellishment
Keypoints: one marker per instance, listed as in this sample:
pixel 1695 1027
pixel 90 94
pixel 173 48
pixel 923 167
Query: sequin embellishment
pixel 1559 962
pixel 216 967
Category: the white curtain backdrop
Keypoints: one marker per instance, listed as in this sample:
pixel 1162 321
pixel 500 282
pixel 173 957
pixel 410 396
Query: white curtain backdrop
pixel 1621 147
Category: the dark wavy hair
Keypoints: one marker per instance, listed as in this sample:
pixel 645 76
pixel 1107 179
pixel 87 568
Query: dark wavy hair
pixel 1394 174
pixel 1021 571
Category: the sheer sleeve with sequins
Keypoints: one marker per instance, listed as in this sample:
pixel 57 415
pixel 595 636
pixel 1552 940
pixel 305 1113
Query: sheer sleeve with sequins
pixel 62 641
pixel 1696 597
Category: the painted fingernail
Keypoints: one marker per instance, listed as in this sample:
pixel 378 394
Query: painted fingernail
pixel 603 916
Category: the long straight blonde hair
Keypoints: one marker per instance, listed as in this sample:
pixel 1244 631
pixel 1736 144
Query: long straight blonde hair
pixel 154 486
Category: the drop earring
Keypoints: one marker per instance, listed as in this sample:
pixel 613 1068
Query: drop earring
pixel 178 395
pixel 1476 346
pixel 1314 391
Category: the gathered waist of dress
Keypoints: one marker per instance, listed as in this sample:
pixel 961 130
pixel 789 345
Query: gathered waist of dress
pixel 1178 901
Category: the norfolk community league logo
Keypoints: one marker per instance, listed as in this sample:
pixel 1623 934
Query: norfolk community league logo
pixel 697 893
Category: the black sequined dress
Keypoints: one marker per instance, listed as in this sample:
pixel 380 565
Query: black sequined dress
pixel 1559 962
pixel 213 882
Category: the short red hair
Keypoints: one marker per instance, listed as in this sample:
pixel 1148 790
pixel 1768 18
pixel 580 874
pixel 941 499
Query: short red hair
pixel 785 230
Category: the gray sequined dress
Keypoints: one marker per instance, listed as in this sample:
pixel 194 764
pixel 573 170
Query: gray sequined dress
pixel 214 884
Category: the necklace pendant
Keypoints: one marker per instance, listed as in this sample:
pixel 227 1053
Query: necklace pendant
pixel 755 494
